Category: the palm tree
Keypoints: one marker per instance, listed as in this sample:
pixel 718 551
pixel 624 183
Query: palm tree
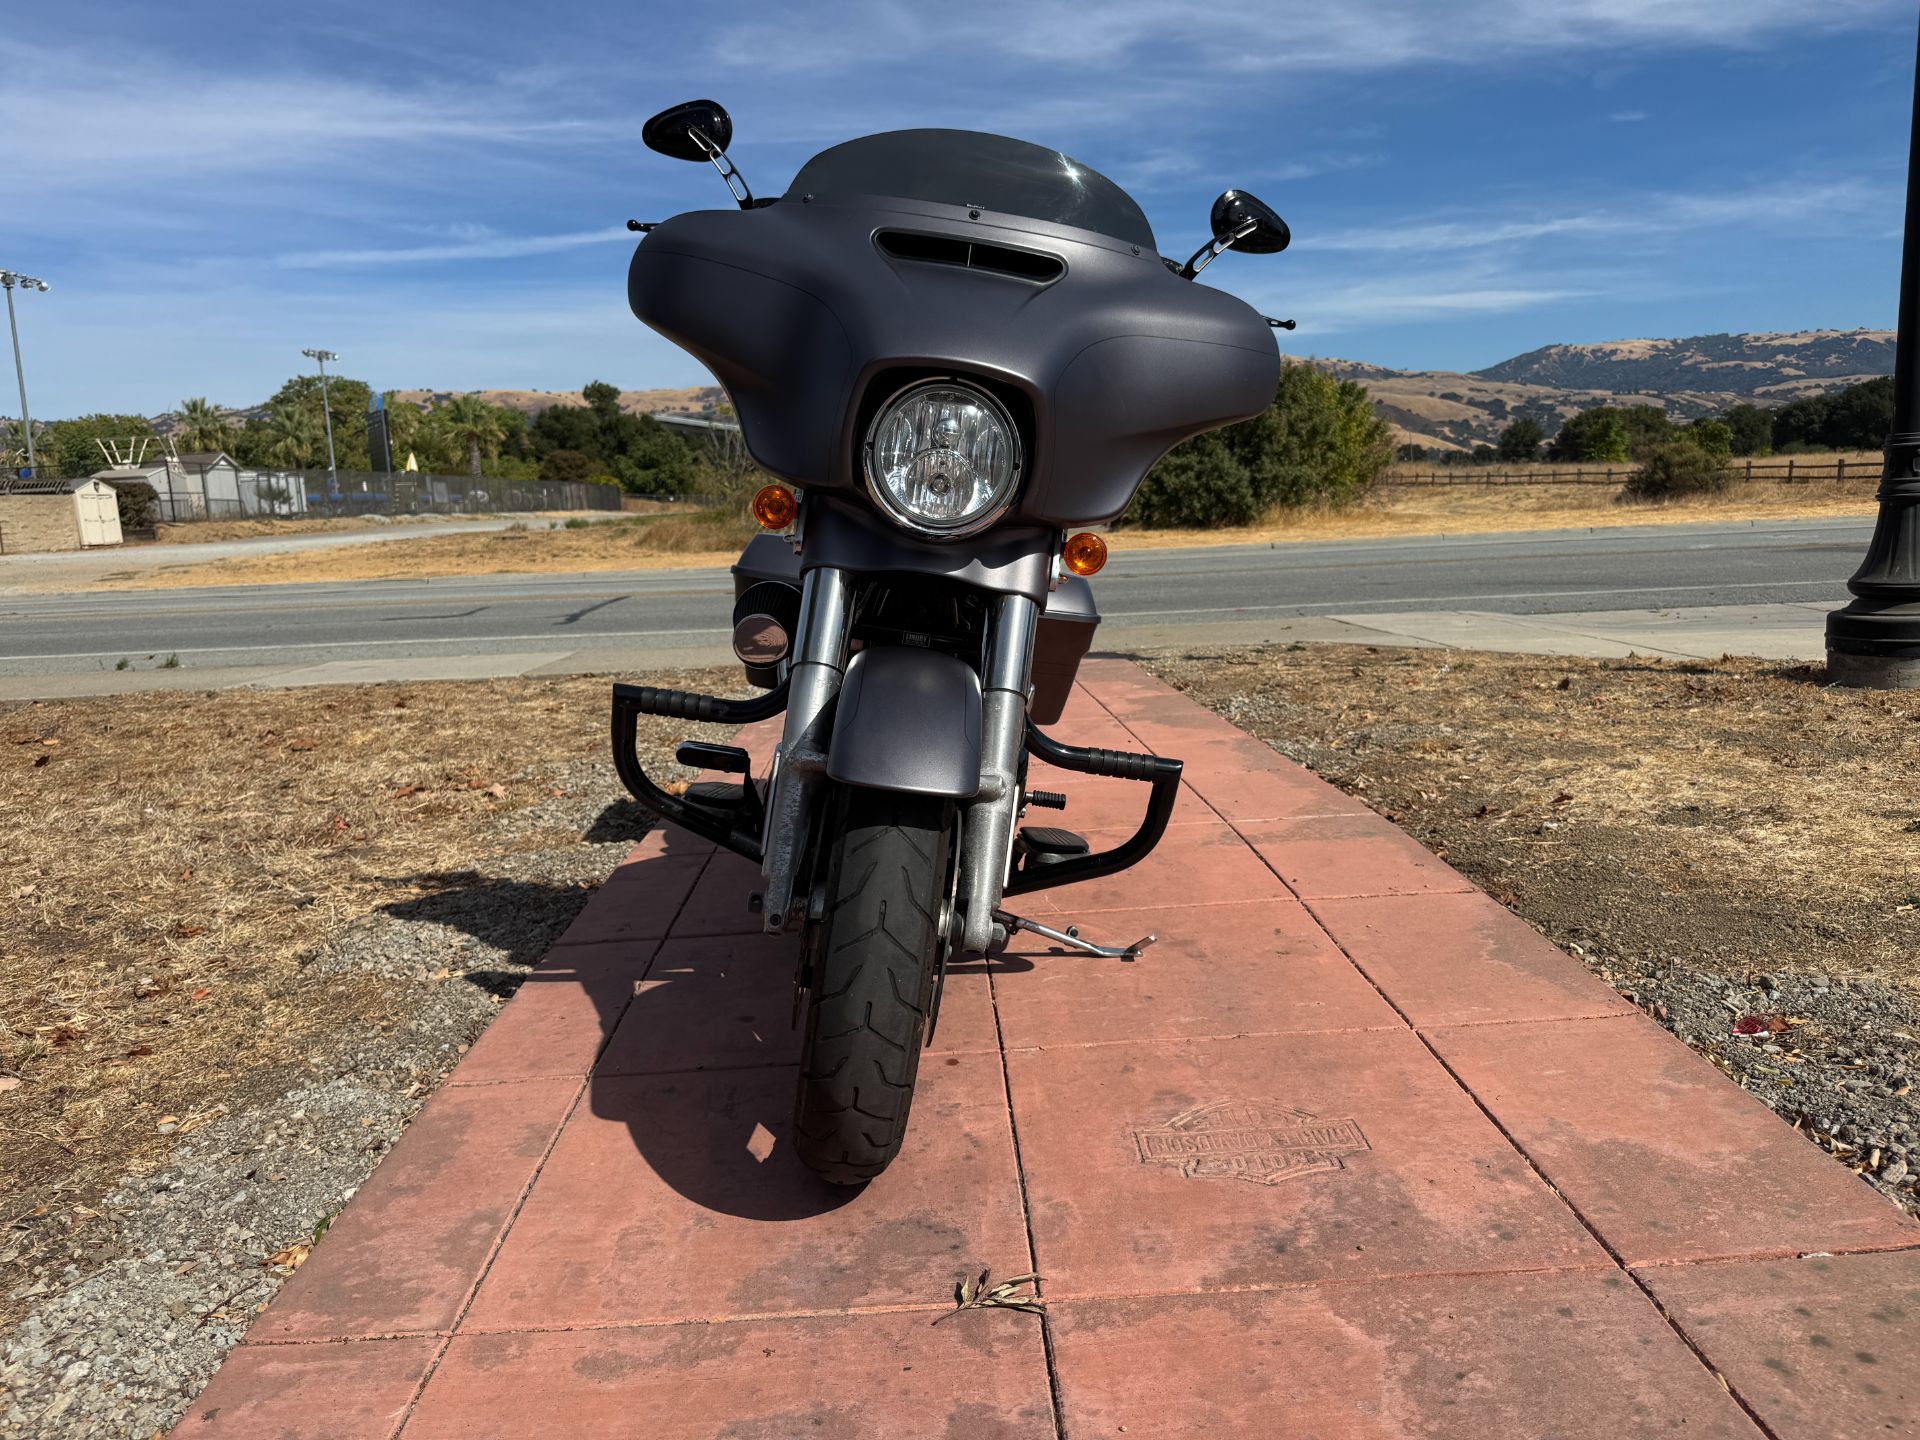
pixel 203 426
pixel 471 422
pixel 294 436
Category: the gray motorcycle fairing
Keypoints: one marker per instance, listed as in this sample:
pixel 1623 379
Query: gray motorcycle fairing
pixel 800 315
pixel 908 720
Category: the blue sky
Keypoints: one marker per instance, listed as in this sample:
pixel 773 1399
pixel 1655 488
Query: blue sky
pixel 437 191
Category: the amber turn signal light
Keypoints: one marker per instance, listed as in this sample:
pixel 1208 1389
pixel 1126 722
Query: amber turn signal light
pixel 775 506
pixel 1085 553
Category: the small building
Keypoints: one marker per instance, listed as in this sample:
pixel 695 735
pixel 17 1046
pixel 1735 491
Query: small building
pixel 38 516
pixel 206 486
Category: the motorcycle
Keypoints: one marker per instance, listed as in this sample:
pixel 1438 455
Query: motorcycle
pixel 955 353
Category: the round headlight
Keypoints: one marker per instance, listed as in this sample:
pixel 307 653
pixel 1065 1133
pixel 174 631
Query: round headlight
pixel 943 458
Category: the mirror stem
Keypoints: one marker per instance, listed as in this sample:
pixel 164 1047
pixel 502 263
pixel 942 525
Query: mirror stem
pixel 736 182
pixel 1212 250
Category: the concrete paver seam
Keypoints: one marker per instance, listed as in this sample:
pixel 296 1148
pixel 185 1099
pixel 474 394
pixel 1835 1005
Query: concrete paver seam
pixel 1026 1217
pixel 1620 1264
pixel 526 1190
pixel 1746 1406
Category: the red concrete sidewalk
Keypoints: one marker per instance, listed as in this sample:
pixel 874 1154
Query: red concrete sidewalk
pixel 1351 1153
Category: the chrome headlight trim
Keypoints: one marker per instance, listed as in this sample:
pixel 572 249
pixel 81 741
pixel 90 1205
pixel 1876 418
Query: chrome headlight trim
pixel 893 510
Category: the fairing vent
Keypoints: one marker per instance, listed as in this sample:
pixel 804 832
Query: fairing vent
pixel 1029 265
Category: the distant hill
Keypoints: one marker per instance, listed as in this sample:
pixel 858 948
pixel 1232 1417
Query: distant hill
pixel 1702 375
pixel 1742 364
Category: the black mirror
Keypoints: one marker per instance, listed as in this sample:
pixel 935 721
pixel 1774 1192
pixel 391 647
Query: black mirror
pixel 671 131
pixel 1248 224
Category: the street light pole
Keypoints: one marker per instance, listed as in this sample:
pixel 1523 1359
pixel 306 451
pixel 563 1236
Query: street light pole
pixel 9 279
pixel 1874 643
pixel 326 409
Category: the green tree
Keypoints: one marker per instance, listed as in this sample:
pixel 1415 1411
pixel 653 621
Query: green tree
pixel 1521 441
pixel 1410 453
pixel 1752 429
pixel 348 399
pixel 474 425
pixel 294 436
pixel 1648 428
pixel 1318 442
pixel 202 426
pixel 603 400
pixel 1591 437
pixel 1713 436
pixel 566 427
pixel 653 460
pixel 566 465
pixel 68 448
pixel 1860 417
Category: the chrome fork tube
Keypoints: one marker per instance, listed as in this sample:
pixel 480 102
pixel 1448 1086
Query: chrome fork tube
pixel 819 662
pixel 987 845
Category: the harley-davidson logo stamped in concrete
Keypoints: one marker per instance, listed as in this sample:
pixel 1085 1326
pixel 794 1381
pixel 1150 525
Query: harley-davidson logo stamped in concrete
pixel 1250 1140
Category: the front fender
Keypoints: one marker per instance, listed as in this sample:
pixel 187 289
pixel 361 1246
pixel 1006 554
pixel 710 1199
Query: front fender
pixel 908 720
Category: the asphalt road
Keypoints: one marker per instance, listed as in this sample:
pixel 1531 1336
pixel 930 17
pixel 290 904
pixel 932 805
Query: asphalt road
pixel 1540 573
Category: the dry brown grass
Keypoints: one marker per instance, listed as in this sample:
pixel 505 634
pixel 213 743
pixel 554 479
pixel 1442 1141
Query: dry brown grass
pixel 1737 812
pixel 1479 510
pixel 169 858
pixel 207 532
pixel 667 540
pixel 1861 464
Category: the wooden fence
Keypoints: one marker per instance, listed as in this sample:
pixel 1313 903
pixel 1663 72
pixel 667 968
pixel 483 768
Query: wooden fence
pixel 1794 470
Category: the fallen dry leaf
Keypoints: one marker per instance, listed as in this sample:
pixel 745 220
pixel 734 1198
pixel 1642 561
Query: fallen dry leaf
pixel 285 1262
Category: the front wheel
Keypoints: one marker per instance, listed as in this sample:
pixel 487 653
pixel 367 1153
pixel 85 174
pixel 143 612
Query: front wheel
pixel 872 982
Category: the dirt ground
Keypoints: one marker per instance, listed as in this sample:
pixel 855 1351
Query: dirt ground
pixel 714 538
pixel 183 874
pixel 1731 844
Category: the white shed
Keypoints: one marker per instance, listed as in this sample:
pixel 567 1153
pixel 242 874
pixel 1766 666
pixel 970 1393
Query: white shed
pixel 96 506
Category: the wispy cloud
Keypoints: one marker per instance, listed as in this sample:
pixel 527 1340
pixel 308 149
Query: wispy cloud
pixel 1833 202
pixel 1261 35
pixel 74 127
pixel 1417 299
pixel 486 247
pixel 1626 117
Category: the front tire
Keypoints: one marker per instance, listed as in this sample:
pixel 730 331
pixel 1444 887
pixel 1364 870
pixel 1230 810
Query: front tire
pixel 872 983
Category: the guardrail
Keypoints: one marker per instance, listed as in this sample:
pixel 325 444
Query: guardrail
pixel 1792 470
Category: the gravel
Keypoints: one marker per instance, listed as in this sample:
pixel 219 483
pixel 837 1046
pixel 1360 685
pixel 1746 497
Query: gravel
pixel 161 1278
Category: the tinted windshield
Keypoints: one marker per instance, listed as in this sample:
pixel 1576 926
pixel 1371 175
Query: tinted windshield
pixel 964 167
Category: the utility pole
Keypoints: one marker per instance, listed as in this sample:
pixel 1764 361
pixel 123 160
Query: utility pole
pixel 1874 643
pixel 9 279
pixel 326 408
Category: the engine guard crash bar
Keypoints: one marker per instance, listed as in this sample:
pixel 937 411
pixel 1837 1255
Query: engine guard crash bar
pixel 1160 771
pixel 630 702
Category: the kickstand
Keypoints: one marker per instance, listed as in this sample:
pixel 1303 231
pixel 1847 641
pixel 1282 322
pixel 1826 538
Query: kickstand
pixel 1071 937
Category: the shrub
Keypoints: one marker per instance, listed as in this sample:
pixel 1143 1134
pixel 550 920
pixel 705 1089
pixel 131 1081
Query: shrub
pixel 565 465
pixel 1713 436
pixel 1678 469
pixel 1318 442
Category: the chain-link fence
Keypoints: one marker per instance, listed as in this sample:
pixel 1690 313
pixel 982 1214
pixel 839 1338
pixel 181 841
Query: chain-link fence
pixel 182 494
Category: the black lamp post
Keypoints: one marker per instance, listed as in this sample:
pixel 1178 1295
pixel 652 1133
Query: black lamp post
pixel 1874 643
